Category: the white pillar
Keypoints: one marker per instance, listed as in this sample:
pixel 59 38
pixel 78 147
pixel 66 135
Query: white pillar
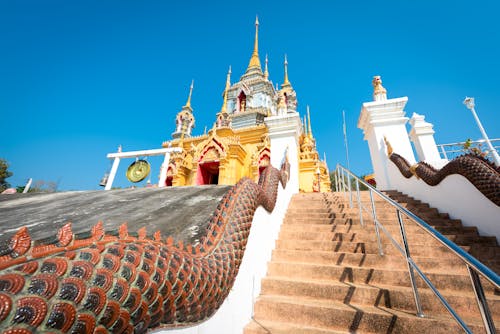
pixel 164 169
pixel 422 136
pixel 112 174
pixel 28 186
pixel 385 118
pixel 284 135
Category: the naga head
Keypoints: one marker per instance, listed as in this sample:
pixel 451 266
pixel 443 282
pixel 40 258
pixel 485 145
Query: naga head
pixel 379 92
pixel 389 147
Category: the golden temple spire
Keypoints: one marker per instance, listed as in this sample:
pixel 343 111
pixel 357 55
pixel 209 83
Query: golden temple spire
pixel 188 103
pixel 266 72
pixel 309 123
pixel 255 61
pixel 304 125
pixel 285 81
pixel 228 85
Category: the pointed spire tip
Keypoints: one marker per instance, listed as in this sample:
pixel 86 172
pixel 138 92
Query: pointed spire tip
pixel 286 82
pixel 254 60
pixel 188 103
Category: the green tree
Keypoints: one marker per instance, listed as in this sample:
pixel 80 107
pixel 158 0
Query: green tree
pixel 4 174
pixel 41 186
pixel 469 147
pixel 333 180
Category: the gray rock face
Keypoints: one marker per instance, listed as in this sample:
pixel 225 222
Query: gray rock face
pixel 180 212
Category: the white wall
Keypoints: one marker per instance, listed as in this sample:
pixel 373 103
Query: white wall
pixel 456 196
pixel 385 118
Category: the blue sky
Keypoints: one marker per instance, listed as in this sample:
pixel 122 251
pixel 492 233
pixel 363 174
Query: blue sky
pixel 78 78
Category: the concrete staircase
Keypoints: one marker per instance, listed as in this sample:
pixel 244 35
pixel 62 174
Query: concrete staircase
pixel 326 276
pixel 483 248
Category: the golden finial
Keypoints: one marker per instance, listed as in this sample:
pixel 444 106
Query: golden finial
pixel 188 103
pixel 255 61
pixel 389 147
pixel 266 72
pixel 309 121
pixel 228 84
pixel 285 81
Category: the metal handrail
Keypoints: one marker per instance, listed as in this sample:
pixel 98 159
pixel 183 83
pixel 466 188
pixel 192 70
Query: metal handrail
pixel 475 268
pixel 454 148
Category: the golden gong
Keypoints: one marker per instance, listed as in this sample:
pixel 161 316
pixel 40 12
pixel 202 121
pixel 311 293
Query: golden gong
pixel 138 171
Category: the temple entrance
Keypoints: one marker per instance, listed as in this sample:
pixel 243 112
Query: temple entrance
pixel 168 181
pixel 208 173
pixel 170 176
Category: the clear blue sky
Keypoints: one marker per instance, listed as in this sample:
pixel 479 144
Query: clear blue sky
pixel 78 78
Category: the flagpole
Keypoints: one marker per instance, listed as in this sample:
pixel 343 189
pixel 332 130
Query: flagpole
pixel 347 157
pixel 345 140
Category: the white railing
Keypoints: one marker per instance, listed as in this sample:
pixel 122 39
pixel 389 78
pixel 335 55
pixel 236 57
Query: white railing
pixel 346 180
pixel 453 150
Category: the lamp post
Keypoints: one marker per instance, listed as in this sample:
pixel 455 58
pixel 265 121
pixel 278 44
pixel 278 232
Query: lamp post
pixel 469 103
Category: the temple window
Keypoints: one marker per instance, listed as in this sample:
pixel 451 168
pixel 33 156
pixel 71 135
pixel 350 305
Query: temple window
pixel 242 101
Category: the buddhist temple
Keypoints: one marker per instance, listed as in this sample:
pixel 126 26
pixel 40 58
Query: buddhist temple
pixel 237 145
pixel 244 235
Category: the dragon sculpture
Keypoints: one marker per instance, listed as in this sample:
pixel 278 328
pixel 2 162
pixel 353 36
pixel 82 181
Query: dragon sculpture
pixel 119 283
pixel 480 172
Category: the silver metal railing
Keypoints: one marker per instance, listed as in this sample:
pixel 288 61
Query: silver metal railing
pixel 453 150
pixel 343 183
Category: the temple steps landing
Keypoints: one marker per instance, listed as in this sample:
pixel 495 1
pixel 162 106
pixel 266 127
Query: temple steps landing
pixel 326 274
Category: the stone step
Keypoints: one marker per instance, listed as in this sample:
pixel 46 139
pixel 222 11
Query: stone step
pixel 400 298
pixel 386 217
pixel 353 225
pixel 389 213
pixel 362 275
pixel 290 231
pixel 306 210
pixel 427 264
pixel 417 248
pixel 276 327
pixel 368 235
pixel 313 215
pixel 351 317
pixel 326 275
pixel 418 209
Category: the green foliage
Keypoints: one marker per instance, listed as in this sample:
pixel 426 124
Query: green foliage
pixel 4 174
pixel 333 180
pixel 42 186
pixel 476 150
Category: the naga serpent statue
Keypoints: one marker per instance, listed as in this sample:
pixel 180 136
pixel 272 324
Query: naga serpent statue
pixel 125 284
pixel 480 172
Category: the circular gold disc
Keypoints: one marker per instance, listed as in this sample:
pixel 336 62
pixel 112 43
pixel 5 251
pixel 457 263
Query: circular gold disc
pixel 138 171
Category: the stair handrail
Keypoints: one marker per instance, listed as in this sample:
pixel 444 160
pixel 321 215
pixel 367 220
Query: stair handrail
pixel 474 266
